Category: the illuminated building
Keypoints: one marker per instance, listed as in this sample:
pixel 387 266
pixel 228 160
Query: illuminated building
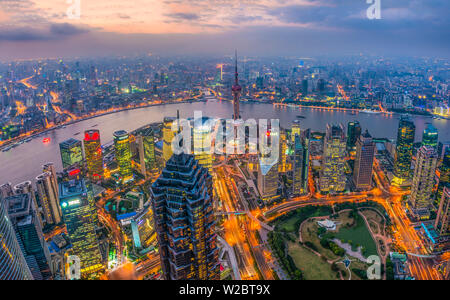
pixel 13 265
pixel 365 152
pixel 403 152
pixel 442 223
pixel 296 130
pixel 236 91
pixel 268 175
pixel 332 177
pixel 75 199
pixel 48 197
pixel 202 142
pixel 430 136
pixel 300 164
pixel 143 228
pixel 283 152
pixel 123 155
pixel 147 158
pixel 353 133
pixel 94 155
pixel 23 215
pixel 423 180
pixel 184 220
pixel 50 168
pixel 444 175
pixel 168 136
pixel 71 152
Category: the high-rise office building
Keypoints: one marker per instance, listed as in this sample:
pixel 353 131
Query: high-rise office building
pixel 430 136
pixel 332 177
pixel 76 198
pixel 444 175
pixel 71 153
pixel 147 151
pixel 300 164
pixel 202 132
pixel 13 265
pixel 23 215
pixel 423 180
pixel 6 190
pixel 48 198
pixel 442 223
pixel 296 130
pixel 363 169
pixel 283 152
pixel 353 133
pixel 94 154
pixel 123 155
pixel 268 173
pixel 50 168
pixel 184 220
pixel 404 150
pixel 168 136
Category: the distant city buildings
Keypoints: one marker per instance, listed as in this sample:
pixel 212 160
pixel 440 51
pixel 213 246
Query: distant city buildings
pixel 332 177
pixel 184 220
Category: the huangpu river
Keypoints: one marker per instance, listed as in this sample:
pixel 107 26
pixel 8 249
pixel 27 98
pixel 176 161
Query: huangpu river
pixel 25 161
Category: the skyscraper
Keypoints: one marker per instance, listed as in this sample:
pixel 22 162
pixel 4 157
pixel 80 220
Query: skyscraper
pixel 148 140
pixel 13 265
pixel 236 90
pixel 184 220
pixel 94 154
pixel 71 152
pixel 268 173
pixel 423 180
pixel 202 132
pixel 23 215
pixel 430 136
pixel 300 164
pixel 123 155
pixel 6 190
pixel 168 136
pixel 365 152
pixel 76 199
pixel 296 130
pixel 48 197
pixel 404 150
pixel 442 223
pixel 332 177
pixel 444 175
pixel 353 133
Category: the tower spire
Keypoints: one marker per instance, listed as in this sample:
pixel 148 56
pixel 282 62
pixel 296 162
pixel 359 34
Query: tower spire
pixel 236 90
pixel 236 74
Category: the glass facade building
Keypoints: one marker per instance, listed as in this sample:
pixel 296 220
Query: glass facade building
pixel 363 169
pixel 76 199
pixel 184 220
pixel 430 136
pixel 168 136
pixel 13 265
pixel 423 180
pixel 94 154
pixel 332 177
pixel 404 150
pixel 25 220
pixel 71 153
pixel 123 155
pixel 444 175
pixel 353 133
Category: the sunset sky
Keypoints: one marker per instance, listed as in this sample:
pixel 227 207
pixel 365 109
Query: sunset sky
pixel 41 28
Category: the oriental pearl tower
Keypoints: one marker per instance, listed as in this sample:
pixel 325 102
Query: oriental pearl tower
pixel 236 90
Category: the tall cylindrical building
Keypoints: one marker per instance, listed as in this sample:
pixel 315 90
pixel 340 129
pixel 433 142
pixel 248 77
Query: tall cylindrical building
pixel 404 150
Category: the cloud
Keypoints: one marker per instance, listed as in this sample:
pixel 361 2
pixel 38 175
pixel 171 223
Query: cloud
pixel 46 33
